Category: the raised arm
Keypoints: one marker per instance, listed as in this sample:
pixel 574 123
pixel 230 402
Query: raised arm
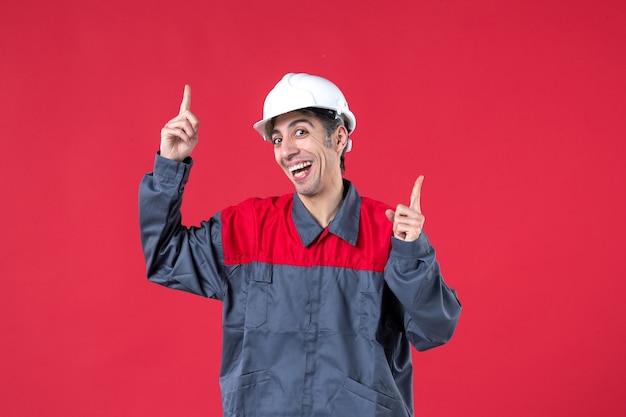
pixel 413 274
pixel 188 259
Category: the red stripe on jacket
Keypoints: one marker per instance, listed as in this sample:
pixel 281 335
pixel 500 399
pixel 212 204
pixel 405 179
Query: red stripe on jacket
pixel 262 230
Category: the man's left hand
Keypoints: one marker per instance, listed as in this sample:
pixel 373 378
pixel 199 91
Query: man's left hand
pixel 408 221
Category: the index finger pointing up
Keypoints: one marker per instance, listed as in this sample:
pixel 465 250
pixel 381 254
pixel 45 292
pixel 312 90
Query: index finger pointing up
pixel 185 105
pixel 415 194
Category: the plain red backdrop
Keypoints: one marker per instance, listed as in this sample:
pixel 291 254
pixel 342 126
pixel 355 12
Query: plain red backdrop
pixel 514 111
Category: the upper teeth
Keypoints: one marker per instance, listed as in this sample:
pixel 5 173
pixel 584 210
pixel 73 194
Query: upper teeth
pixel 301 165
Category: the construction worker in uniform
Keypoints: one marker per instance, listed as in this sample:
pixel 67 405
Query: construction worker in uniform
pixel 324 291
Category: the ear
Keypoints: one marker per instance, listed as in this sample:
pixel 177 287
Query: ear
pixel 340 138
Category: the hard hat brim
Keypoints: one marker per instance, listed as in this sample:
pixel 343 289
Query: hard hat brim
pixel 260 125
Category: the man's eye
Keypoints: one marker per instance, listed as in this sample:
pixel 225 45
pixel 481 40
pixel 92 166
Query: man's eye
pixel 300 132
pixel 276 141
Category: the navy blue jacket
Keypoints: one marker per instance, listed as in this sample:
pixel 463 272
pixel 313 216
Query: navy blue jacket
pixel 316 321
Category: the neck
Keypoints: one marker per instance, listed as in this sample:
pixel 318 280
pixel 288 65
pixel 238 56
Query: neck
pixel 324 207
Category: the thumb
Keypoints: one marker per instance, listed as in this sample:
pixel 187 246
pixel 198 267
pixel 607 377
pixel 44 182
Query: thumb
pixel 391 215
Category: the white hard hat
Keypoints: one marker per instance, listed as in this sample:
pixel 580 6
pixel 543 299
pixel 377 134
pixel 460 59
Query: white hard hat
pixel 299 91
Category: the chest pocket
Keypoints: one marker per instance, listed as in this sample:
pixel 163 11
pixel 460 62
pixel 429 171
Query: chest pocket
pixel 259 278
pixel 370 289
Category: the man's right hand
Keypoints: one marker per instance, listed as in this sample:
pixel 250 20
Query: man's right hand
pixel 180 135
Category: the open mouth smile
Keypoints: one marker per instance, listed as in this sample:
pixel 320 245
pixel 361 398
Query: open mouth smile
pixel 300 170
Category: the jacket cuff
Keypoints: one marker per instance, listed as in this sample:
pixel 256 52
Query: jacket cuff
pixel 417 249
pixel 169 171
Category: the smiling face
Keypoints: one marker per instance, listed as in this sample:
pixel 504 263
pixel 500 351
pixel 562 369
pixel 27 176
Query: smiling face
pixel 309 158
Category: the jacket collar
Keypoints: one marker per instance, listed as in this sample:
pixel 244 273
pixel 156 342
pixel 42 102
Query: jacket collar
pixel 345 224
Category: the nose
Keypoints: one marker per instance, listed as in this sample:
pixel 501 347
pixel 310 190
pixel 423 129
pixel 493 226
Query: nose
pixel 288 148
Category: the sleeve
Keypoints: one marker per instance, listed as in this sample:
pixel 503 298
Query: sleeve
pixel 187 259
pixel 431 308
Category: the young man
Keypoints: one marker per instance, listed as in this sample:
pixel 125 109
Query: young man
pixel 323 290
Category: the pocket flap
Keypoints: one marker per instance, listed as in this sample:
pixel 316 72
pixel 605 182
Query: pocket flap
pixel 260 272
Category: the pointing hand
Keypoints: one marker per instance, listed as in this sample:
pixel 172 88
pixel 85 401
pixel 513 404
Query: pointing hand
pixel 180 135
pixel 408 222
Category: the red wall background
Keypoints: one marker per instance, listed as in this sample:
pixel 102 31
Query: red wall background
pixel 514 111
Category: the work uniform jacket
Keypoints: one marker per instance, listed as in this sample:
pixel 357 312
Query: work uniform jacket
pixel 317 321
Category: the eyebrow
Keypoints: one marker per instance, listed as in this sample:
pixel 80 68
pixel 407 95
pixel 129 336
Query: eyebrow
pixel 292 124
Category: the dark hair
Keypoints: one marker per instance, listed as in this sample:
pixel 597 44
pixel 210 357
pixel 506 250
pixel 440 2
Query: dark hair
pixel 329 119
